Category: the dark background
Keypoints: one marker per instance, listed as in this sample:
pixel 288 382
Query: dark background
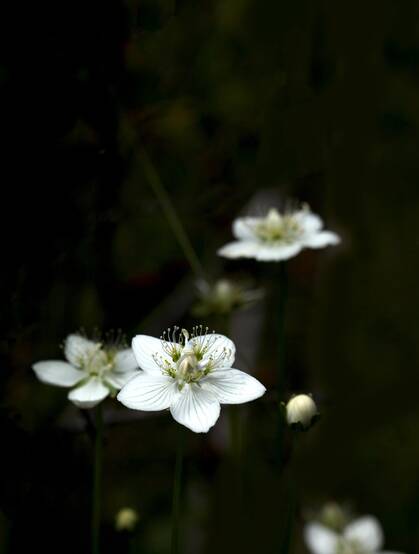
pixel 235 102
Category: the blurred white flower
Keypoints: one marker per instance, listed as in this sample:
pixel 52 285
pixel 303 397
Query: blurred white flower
pixel 276 236
pixel 223 296
pixel 126 519
pixel 189 375
pixel 301 410
pixel 93 369
pixel 363 536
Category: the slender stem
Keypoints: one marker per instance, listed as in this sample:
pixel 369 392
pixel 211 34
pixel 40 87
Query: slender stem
pixel 177 482
pixel 97 479
pixel 283 296
pixel 281 376
pixel 171 215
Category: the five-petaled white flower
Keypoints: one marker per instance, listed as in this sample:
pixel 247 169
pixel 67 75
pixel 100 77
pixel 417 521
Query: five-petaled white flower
pixel 276 236
pixel 189 375
pixel 362 536
pixel 93 369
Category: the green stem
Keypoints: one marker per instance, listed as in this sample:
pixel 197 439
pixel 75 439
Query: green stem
pixel 97 479
pixel 171 215
pixel 177 482
pixel 283 296
pixel 281 375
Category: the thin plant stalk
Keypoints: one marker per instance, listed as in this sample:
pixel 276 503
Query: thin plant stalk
pixel 171 215
pixel 97 480
pixel 177 489
pixel 281 375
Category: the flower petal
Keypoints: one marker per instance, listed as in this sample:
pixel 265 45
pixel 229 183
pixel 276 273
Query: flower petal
pixel 367 533
pixel 239 249
pixel 319 240
pixel 118 379
pixel 149 392
pixel 89 394
pixel 233 386
pixel 196 408
pixel 243 227
pixel 147 349
pixel 311 223
pixel 125 361
pixel 216 348
pixel 77 348
pixel 319 539
pixel 278 252
pixel 56 372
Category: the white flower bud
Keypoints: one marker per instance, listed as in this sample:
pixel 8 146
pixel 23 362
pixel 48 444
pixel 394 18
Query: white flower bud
pixel 301 410
pixel 126 519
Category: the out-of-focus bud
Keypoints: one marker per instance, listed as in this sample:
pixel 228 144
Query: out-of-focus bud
pixel 333 516
pixel 126 519
pixel 301 412
pixel 222 297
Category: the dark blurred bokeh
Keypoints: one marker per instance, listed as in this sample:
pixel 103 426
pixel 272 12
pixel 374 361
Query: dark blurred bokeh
pixel 237 104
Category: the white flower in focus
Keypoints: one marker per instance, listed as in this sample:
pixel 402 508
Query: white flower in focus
pixel 363 536
pixel 191 376
pixel 301 410
pixel 92 370
pixel 277 236
pixel 126 519
pixel 223 297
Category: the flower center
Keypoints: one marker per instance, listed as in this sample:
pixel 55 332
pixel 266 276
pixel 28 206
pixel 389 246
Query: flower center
pixel 189 369
pixel 349 547
pixel 98 361
pixel 278 228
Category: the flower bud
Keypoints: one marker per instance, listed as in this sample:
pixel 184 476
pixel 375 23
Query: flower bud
pixel 223 297
pixel 333 516
pixel 126 519
pixel 301 411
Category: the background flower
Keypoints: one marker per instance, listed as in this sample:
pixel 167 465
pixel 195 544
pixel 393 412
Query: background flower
pixel 361 536
pixel 276 236
pixel 94 370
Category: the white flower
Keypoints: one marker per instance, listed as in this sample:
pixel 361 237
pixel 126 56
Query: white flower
pixel 362 536
pixel 191 376
pixel 223 296
pixel 276 236
pixel 93 369
pixel 301 409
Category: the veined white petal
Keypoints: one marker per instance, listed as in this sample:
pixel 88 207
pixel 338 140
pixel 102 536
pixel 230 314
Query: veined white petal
pixel 216 348
pixel 149 349
pixel 239 249
pixel 125 361
pixel 367 532
pixel 278 252
pixel 118 379
pixel 196 408
pixel 311 223
pixel 232 386
pixel 77 348
pixel 243 227
pixel 319 539
pixel 319 240
pixel 149 392
pixel 56 372
pixel 89 394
